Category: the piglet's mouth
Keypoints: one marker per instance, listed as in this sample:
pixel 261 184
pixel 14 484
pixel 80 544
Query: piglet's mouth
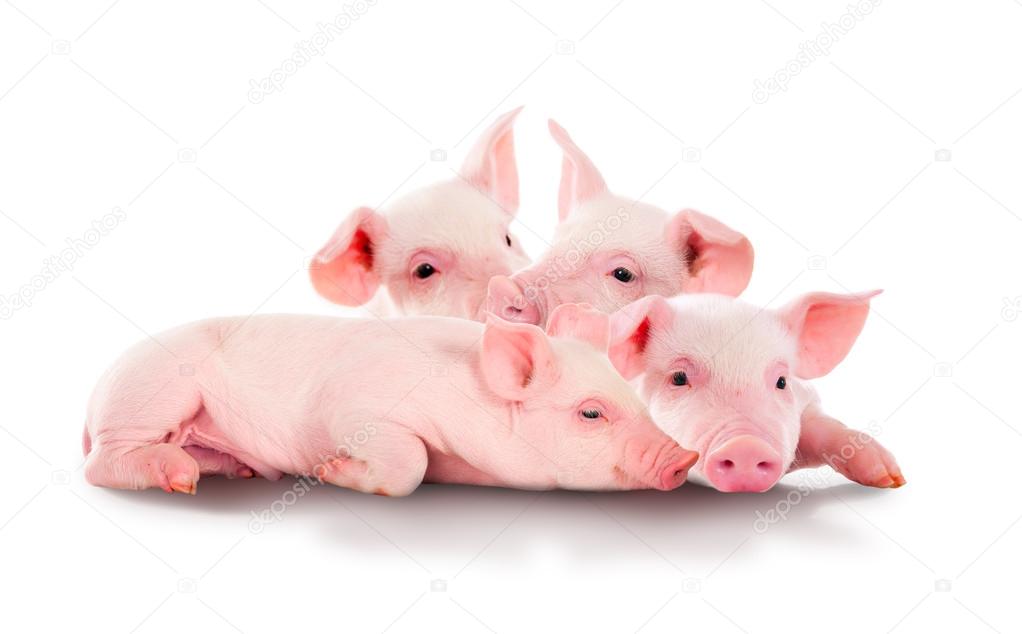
pixel 626 481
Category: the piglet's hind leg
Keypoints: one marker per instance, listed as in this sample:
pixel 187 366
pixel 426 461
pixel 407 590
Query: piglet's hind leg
pixel 168 467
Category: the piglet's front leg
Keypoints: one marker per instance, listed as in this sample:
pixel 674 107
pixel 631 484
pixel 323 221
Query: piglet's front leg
pixel 392 462
pixel 851 452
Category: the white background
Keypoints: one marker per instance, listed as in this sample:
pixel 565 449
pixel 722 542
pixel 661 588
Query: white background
pixel 835 180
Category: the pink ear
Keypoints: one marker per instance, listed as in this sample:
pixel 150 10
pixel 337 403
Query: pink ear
pixel 719 258
pixel 515 357
pixel 490 164
pixel 631 329
pixel 580 180
pixel 826 326
pixel 343 271
pixel 582 322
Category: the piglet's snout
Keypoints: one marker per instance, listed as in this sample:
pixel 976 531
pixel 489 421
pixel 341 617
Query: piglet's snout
pixel 506 300
pixel 673 469
pixel 743 463
pixel 655 461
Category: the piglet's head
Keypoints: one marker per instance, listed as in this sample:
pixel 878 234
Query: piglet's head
pixel 726 378
pixel 582 425
pixel 610 250
pixel 434 249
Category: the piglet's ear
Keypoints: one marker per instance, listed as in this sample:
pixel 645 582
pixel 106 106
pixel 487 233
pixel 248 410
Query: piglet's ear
pixel 490 164
pixel 516 358
pixel 582 322
pixel 825 326
pixel 344 270
pixel 580 180
pixel 719 259
pixel 631 329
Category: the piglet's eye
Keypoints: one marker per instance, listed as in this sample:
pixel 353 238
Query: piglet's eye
pixel 782 382
pixel 679 379
pixel 623 275
pixel 507 239
pixel 590 413
pixel 424 270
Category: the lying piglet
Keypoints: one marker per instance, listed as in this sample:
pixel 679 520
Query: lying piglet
pixel 730 380
pixel 434 250
pixel 378 406
pixel 609 250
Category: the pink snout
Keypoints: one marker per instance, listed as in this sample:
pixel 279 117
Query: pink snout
pixel 674 473
pixel 743 463
pixel 507 301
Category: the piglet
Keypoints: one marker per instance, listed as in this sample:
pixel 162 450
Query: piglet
pixel 609 250
pixel 378 406
pixel 432 251
pixel 730 380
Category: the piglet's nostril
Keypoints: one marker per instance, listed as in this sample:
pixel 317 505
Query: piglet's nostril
pixel 744 463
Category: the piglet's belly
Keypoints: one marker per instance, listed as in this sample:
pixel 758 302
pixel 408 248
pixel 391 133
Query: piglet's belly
pixel 446 468
pixel 202 432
